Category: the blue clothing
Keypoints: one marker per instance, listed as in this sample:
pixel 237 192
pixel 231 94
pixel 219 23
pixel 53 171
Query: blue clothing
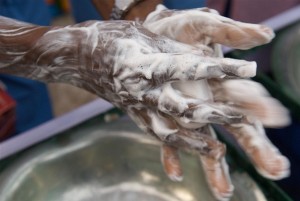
pixel 287 140
pixel 179 4
pixel 32 11
pixel 84 10
pixel 33 102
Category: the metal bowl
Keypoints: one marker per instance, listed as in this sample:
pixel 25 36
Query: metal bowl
pixel 111 163
pixel 286 61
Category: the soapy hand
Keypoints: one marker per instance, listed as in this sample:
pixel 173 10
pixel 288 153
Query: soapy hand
pixel 172 90
pixel 205 29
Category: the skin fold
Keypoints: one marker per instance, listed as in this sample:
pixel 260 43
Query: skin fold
pixel 169 77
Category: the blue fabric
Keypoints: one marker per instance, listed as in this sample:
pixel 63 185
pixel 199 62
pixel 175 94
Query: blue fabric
pixel 84 10
pixel 287 140
pixel 33 102
pixel 33 11
pixel 179 4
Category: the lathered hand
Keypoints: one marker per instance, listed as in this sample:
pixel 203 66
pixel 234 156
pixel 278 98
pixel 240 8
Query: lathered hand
pixel 121 62
pixel 205 29
pixel 144 74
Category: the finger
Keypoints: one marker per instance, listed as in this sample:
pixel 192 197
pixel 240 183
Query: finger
pixel 238 34
pixel 211 113
pixel 194 113
pixel 171 162
pixel 152 122
pixel 163 67
pixel 204 27
pixel 193 67
pixel 152 70
pixel 268 161
pixel 211 151
pixel 217 174
pixel 256 103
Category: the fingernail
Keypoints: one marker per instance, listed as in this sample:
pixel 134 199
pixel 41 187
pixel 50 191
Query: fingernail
pixel 175 177
pixel 248 69
pixel 268 31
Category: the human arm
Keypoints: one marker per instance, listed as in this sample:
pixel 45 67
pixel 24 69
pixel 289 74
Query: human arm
pixel 136 70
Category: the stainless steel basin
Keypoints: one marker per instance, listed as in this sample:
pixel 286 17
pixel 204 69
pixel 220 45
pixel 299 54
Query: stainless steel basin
pixel 110 163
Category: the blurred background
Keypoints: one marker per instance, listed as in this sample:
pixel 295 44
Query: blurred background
pixel 25 104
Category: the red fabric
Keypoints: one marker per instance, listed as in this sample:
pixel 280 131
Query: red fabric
pixel 7 115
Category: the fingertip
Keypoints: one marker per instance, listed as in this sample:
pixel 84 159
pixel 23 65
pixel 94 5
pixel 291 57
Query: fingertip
pixel 175 177
pixel 239 68
pixel 171 163
pixel 269 33
pixel 223 196
pixel 277 122
pixel 272 113
pixel 279 170
pixel 248 69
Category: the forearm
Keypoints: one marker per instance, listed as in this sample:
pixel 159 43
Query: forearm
pixel 83 54
pixel 48 54
pixel 52 54
pixel 16 41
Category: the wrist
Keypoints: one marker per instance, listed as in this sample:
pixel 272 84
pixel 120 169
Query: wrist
pixel 122 7
pixel 135 9
pixel 17 38
pixel 141 10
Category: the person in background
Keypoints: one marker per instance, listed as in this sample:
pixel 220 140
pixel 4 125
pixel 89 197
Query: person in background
pixel 33 102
